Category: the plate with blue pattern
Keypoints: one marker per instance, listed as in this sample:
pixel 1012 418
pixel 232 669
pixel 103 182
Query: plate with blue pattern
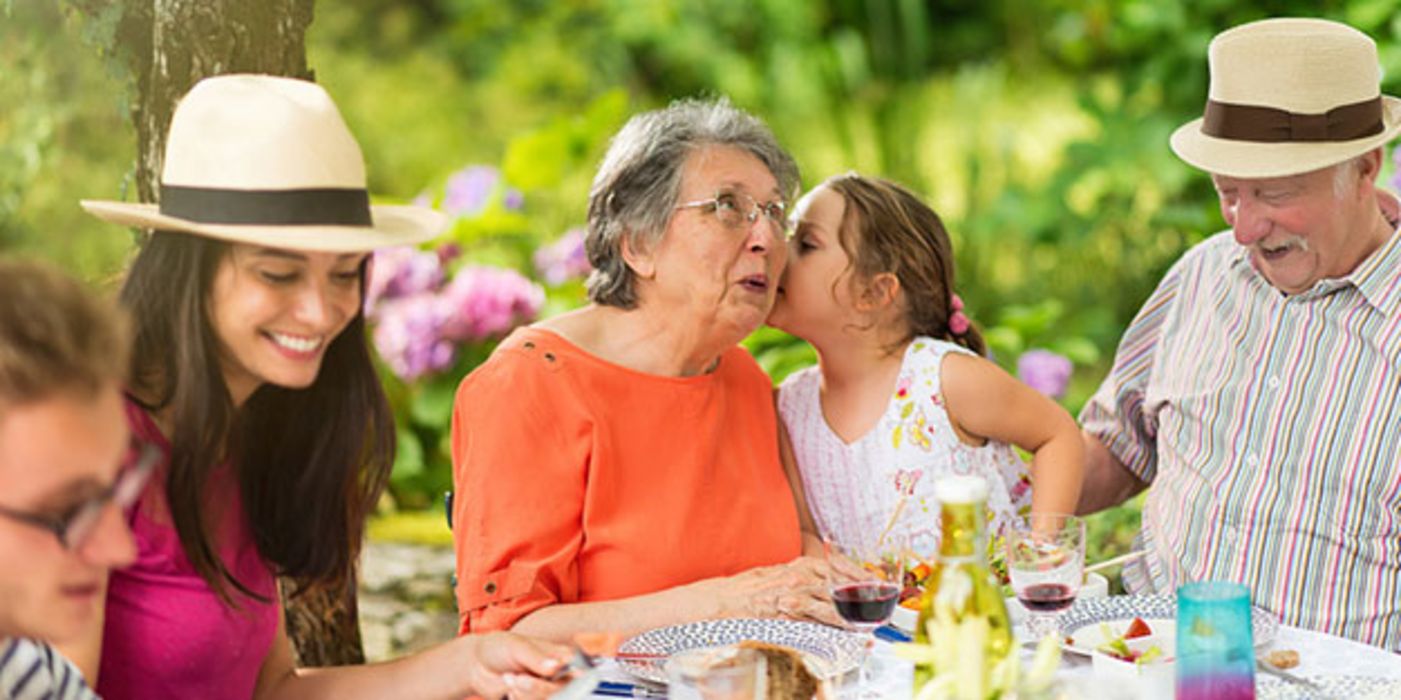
pixel 1334 687
pixel 1081 623
pixel 835 651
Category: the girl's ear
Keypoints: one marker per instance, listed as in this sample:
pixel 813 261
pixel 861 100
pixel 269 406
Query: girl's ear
pixel 879 293
pixel 639 259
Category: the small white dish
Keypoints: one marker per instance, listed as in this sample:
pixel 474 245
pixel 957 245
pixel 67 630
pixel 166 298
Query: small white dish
pixel 1149 680
pixel 1088 638
pixel 904 619
pixel 1081 623
pixel 1095 586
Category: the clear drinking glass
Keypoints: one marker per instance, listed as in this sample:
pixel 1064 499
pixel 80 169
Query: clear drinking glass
pixel 727 673
pixel 865 580
pixel 1046 562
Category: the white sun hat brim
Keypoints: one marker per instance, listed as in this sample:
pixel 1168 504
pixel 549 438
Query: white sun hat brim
pixel 393 225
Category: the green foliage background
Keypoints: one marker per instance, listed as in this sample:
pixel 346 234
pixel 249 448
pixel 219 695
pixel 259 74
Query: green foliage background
pixel 1038 128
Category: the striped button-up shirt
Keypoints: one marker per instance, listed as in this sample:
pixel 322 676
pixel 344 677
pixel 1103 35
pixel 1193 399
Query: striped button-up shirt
pixel 1270 429
pixel 32 670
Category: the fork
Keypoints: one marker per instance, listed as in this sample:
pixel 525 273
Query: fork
pixel 584 661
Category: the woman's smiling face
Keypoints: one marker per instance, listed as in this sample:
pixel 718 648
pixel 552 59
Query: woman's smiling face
pixel 274 312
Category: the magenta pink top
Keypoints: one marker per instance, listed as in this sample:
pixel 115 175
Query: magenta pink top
pixel 167 634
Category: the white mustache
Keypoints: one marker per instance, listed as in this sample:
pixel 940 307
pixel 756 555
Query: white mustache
pixel 1289 242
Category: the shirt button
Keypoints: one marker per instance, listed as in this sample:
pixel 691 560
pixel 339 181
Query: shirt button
pixel 490 587
pixel 1251 459
pixel 1273 382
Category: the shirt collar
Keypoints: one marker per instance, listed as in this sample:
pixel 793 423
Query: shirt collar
pixel 1378 277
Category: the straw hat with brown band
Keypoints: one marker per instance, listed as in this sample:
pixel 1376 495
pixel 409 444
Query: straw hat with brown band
pixel 268 161
pixel 1289 96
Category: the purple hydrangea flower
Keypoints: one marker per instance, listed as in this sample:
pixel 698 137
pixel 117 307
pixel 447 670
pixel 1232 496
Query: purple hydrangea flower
pixel 409 339
pixel 469 190
pixel 564 259
pixel 513 200
pixel 1045 372
pixel 449 252
pixel 401 272
pixel 482 302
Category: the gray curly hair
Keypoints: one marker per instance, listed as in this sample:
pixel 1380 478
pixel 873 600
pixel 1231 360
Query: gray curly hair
pixel 635 190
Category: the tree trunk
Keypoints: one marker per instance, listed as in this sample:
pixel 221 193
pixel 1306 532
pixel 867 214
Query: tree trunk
pixel 173 44
pixel 168 46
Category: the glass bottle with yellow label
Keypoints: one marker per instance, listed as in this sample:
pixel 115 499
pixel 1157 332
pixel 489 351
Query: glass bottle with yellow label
pixel 962 615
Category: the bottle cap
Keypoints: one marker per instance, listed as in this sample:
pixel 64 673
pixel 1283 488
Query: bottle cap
pixel 961 489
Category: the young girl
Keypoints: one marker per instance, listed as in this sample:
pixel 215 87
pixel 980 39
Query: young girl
pixel 252 375
pixel 901 394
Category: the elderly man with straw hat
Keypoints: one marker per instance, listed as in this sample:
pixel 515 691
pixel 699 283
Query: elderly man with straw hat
pixel 1258 389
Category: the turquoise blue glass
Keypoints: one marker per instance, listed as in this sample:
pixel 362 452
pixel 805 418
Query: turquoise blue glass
pixel 1215 647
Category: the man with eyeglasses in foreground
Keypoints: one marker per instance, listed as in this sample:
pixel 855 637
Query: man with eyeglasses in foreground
pixel 63 439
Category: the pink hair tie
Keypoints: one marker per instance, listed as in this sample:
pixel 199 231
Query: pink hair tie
pixel 958 321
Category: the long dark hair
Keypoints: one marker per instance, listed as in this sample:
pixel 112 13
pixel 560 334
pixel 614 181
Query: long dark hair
pixel 887 228
pixel 310 463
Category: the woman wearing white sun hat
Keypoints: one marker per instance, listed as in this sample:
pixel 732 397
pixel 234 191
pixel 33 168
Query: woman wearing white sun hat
pixel 252 373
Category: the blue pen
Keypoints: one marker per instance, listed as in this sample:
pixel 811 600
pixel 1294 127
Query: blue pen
pixel 891 634
pixel 626 690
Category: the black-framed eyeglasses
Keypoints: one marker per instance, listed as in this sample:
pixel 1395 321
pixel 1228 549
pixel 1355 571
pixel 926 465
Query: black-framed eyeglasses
pixel 73 527
pixel 737 210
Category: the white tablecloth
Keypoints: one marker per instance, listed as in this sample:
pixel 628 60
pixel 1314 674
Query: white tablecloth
pixel 1320 655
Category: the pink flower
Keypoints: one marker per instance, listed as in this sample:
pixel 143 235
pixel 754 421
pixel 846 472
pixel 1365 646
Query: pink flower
pixel 563 260
pixel 469 189
pixel 483 302
pixel 408 336
pixel 400 272
pixel 1045 372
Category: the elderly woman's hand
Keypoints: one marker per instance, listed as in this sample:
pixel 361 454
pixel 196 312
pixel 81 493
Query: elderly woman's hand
pixel 506 665
pixel 795 590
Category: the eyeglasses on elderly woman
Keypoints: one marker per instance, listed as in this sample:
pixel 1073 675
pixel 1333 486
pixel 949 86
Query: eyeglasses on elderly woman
pixel 737 210
pixel 73 527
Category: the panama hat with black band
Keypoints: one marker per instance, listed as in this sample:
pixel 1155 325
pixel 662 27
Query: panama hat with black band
pixel 269 161
pixel 1289 96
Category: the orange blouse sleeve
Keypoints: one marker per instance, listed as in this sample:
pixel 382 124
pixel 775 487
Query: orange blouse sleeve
pixel 519 454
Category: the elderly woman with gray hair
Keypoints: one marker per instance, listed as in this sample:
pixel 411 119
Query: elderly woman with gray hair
pixel 616 467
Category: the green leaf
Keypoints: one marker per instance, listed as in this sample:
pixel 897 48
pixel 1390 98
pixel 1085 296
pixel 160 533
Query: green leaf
pixel 1006 342
pixel 536 160
pixel 432 404
pixel 1079 350
pixel 408 458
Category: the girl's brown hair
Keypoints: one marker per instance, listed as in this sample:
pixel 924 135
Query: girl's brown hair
pixel 887 229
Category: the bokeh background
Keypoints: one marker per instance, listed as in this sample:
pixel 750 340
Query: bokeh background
pixel 1037 128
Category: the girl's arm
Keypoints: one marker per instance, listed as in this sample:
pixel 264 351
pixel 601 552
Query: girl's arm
pixel 486 665
pixel 812 541
pixel 984 401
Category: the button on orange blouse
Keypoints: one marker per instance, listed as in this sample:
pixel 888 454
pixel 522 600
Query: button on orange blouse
pixel 578 480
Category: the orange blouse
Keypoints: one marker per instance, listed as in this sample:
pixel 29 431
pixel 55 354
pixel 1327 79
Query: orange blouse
pixel 579 480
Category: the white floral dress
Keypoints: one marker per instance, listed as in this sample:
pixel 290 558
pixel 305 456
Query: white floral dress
pixel 852 489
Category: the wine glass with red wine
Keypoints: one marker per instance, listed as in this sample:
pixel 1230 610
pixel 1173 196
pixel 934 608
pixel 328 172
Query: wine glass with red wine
pixel 1046 562
pixel 865 580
